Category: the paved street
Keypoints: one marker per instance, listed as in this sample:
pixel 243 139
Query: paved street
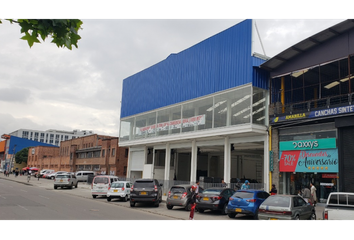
pixel 20 200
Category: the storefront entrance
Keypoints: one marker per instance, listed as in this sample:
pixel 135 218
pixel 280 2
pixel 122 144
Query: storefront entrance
pixel 325 183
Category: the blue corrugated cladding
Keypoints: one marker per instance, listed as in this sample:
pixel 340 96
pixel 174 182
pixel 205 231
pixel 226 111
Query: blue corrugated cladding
pixel 218 63
pixel 22 143
pixel 260 76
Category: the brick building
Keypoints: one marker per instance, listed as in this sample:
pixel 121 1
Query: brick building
pixel 95 152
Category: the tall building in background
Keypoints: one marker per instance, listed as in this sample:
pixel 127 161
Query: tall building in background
pixel 50 136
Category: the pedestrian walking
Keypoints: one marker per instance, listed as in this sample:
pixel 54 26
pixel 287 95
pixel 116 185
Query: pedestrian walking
pixel 38 175
pixel 246 185
pixel 313 194
pixel 274 190
pixel 306 194
pixel 193 201
pixel 197 190
pixel 223 183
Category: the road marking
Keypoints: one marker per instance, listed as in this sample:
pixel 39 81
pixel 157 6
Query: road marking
pixel 43 197
pixel 23 190
pixel 22 207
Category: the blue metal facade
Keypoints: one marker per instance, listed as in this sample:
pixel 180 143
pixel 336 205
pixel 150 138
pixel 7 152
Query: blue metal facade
pixel 22 143
pixel 218 63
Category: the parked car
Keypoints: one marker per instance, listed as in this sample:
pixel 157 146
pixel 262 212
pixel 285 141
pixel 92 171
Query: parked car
pixel 101 183
pixel 286 207
pixel 180 195
pixel 146 190
pixel 65 180
pixel 120 189
pixel 45 175
pixel 214 199
pixel 82 176
pixel 43 171
pixel 339 206
pixel 2 170
pixel 54 174
pixel 246 202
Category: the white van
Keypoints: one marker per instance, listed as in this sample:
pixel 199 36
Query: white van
pixel 82 176
pixel 101 183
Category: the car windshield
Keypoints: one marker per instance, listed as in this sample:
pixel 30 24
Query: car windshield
pixel 243 195
pixel 144 184
pixel 101 180
pixel 277 201
pixel 63 176
pixel 213 191
pixel 117 185
pixel 178 190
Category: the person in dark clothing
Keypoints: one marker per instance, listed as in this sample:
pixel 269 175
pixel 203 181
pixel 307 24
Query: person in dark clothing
pixel 274 190
pixel 193 201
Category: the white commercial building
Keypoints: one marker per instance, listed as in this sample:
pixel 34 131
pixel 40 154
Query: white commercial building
pixel 50 136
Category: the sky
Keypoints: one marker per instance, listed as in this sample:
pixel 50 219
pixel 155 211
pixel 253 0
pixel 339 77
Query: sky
pixel 46 87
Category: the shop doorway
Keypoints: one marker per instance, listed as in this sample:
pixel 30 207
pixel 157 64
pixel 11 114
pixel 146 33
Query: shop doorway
pixel 325 183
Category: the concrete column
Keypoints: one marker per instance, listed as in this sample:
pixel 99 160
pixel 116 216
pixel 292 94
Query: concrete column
pixel 167 161
pixel 266 164
pixel 129 164
pixel 193 178
pixel 227 160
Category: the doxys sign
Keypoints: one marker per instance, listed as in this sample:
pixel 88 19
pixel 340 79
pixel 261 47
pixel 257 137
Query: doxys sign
pixel 309 161
pixel 323 143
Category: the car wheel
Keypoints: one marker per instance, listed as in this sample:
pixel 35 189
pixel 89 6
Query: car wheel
pixel 160 200
pixel 72 185
pixel 108 199
pixel 200 210
pixel 169 207
pixel 94 196
pixel 132 204
pixel 297 217
pixel 125 198
pixel 157 204
pixel 313 216
pixel 55 187
pixel 231 215
pixel 76 184
pixel 188 207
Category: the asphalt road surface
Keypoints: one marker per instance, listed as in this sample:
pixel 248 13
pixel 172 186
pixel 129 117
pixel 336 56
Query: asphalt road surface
pixel 23 202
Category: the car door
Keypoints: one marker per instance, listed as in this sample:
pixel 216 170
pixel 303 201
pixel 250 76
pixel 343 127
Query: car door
pixel 127 189
pixel 302 208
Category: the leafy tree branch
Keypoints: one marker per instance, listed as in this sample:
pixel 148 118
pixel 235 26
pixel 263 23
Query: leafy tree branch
pixel 64 32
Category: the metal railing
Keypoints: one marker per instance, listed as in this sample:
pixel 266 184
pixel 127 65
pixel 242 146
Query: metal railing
pixel 276 109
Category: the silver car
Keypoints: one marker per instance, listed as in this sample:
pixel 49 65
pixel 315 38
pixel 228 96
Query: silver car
pixel 286 207
pixel 65 180
pixel 179 195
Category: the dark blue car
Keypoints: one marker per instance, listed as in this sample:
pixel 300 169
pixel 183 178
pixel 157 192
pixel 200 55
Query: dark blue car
pixel 246 201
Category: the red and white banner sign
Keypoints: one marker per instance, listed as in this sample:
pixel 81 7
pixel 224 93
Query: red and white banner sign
pixel 174 124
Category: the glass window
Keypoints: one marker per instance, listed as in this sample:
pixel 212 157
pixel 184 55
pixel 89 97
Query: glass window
pixel 351 200
pixel 126 129
pixel 244 194
pixel 333 199
pixel 277 201
pixel 100 180
pixel 169 121
pixel 145 126
pixel 259 106
pixel 197 115
pixel 113 152
pixel 103 152
pixel 343 199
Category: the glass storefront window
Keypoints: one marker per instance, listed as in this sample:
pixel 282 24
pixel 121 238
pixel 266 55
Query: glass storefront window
pixel 240 106
pixel 145 126
pixel 195 115
pixel 259 106
pixel 169 121
pixel 221 110
pixel 126 129
pixel 325 183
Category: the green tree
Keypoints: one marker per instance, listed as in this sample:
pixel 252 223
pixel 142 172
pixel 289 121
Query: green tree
pixel 22 155
pixel 64 32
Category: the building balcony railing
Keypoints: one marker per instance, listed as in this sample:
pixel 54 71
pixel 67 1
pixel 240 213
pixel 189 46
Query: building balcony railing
pixel 277 109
